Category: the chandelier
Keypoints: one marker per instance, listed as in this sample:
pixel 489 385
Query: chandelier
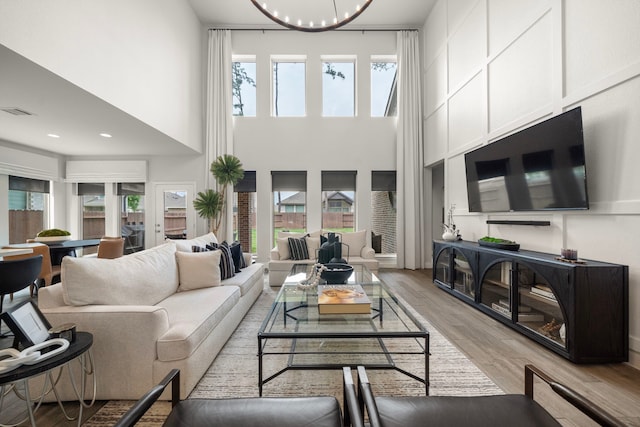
pixel 330 18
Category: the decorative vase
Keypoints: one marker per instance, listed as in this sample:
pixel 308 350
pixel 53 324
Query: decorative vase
pixel 449 236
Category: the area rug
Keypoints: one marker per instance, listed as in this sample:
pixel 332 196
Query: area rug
pixel 234 373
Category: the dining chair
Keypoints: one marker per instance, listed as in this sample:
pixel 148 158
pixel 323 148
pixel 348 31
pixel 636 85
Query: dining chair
pixel 111 247
pixel 17 274
pixel 48 271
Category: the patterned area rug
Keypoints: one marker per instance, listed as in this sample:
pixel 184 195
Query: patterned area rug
pixel 234 373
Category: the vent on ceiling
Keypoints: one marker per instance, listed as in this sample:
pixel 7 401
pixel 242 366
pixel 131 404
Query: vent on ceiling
pixel 16 111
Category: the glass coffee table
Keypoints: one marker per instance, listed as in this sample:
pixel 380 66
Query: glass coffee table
pixel 388 337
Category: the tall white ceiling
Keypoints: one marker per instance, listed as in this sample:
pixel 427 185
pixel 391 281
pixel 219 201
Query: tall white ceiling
pixel 58 106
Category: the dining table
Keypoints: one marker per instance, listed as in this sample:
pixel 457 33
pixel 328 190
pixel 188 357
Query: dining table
pixel 60 249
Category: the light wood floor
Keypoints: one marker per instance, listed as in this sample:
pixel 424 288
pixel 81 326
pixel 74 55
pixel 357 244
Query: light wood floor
pixel 497 350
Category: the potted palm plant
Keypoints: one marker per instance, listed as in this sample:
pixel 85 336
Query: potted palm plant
pixel 211 204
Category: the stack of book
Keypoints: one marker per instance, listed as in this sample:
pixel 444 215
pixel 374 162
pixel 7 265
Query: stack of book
pixel 543 291
pixel 343 299
pixel 524 311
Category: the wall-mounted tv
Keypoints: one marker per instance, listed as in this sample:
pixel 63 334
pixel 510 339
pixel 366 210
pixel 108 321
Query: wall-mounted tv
pixel 536 169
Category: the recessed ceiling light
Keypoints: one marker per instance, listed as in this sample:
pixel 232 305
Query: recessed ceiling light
pixel 105 135
pixel 53 135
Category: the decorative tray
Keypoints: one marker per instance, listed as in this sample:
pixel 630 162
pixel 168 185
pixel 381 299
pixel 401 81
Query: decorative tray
pixel 500 245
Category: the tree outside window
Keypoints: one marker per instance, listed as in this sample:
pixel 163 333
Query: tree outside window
pixel 243 87
pixel 289 97
pixel 383 88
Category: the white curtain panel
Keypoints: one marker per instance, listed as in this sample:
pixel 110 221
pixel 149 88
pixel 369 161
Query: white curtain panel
pixel 409 152
pixel 219 132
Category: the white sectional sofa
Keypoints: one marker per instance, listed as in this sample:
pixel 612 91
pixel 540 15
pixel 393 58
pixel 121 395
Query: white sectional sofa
pixel 359 252
pixel 150 312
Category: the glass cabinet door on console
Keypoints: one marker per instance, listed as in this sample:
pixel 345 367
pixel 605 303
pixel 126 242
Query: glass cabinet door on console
pixel 538 308
pixel 441 267
pixel 454 270
pixel 463 280
pixel 495 289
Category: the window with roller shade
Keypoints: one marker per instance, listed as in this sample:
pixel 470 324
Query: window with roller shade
pixel 338 201
pixel 92 203
pixel 289 201
pixel 28 203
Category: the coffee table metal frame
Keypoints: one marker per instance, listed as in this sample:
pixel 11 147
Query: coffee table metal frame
pixel 294 310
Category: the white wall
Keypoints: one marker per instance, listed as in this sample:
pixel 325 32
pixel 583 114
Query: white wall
pixel 493 67
pixel 143 56
pixel 313 143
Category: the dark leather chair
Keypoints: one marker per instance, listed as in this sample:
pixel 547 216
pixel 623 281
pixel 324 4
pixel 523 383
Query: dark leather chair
pixel 506 410
pixel 255 411
pixel 17 275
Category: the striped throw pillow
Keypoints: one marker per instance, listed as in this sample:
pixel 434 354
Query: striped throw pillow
pixel 227 268
pixel 298 248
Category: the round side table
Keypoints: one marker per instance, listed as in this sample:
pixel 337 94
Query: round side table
pixel 78 351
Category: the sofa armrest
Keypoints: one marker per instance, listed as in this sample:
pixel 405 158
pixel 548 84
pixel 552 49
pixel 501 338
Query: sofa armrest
pixel 368 253
pixel 248 258
pixel 274 254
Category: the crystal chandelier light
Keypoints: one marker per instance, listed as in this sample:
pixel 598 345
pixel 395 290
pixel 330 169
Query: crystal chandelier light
pixel 335 18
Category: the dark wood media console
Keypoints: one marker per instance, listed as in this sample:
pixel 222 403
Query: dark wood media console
pixel 577 309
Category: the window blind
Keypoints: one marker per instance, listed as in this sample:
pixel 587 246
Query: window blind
pixel 289 180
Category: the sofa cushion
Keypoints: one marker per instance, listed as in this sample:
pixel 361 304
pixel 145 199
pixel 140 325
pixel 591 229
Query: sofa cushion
pixel 185 245
pixel 298 248
pixel 192 316
pixel 355 240
pixel 198 269
pixel 141 278
pixel 247 278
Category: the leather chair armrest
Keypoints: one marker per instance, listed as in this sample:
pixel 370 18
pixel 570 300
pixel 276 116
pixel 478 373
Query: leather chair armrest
pixel 586 406
pixel 366 399
pixel 353 414
pixel 133 415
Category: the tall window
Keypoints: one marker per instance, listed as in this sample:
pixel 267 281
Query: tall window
pixel 338 201
pixel 383 87
pixel 28 208
pixel 288 87
pixel 289 201
pixel 132 224
pixel 243 86
pixel 244 212
pixel 93 211
pixel 383 211
pixel 338 88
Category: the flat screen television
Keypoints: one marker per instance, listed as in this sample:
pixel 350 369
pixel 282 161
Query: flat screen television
pixel 536 169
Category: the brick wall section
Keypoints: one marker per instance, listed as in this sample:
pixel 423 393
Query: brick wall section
pixel 383 220
pixel 244 221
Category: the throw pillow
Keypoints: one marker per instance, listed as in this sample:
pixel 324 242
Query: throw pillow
pixel 313 244
pixel 198 270
pixel 356 241
pixel 236 254
pixel 185 245
pixel 227 269
pixel 142 278
pixel 283 247
pixel 298 248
